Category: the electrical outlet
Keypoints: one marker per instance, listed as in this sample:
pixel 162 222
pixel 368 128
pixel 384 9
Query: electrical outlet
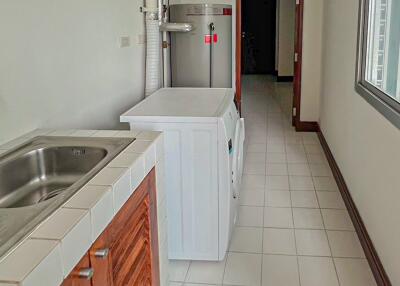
pixel 141 39
pixel 124 42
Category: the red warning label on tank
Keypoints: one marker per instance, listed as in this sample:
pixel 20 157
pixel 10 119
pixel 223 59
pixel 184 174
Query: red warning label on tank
pixel 215 38
pixel 208 39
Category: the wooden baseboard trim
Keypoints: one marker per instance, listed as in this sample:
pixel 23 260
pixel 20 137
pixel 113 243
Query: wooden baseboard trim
pixel 370 252
pixel 284 78
pixel 306 126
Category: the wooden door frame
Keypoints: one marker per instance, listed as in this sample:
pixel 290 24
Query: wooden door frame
pixel 301 126
pixel 238 56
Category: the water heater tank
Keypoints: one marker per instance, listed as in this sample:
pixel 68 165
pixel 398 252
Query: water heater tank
pixel 203 56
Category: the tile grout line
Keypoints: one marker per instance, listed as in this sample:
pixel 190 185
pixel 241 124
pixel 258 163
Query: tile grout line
pixel 226 263
pixel 263 212
pixel 187 272
pixel 295 238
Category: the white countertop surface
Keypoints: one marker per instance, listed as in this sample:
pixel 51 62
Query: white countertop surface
pixel 182 102
pixel 51 251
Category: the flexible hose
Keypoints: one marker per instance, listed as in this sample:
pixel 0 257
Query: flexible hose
pixel 152 55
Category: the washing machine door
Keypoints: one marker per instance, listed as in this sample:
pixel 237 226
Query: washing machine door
pixel 237 160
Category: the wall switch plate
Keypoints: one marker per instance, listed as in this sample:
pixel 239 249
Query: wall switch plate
pixel 141 39
pixel 124 42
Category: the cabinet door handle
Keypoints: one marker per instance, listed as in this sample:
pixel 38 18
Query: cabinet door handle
pixel 86 273
pixel 102 253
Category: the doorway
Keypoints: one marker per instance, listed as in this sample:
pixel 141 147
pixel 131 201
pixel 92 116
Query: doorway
pixel 259 36
pixel 269 42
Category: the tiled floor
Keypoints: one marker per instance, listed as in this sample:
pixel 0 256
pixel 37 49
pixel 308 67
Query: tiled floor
pixel 293 228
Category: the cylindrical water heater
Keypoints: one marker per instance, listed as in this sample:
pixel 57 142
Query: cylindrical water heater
pixel 203 56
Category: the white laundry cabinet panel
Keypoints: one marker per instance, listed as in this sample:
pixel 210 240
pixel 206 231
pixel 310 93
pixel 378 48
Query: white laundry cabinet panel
pixel 191 177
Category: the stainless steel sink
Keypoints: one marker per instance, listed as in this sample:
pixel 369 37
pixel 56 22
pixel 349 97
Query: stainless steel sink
pixel 37 177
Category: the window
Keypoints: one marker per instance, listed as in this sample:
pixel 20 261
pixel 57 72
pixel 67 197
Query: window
pixel 378 69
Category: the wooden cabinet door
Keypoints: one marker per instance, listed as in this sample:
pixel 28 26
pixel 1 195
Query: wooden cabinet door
pixel 131 241
pixel 75 278
pixel 130 247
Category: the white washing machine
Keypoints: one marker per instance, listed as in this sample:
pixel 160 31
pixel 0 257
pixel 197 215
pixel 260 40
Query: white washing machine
pixel 203 138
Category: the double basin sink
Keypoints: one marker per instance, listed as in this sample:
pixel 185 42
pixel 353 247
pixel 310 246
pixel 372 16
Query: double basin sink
pixel 39 176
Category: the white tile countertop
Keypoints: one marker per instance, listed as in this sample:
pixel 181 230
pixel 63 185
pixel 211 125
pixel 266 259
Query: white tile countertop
pixel 52 250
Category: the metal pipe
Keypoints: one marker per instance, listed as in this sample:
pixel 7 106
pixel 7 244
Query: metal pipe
pixel 176 27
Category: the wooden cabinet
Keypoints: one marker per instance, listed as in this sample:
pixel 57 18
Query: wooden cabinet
pixel 81 274
pixel 126 253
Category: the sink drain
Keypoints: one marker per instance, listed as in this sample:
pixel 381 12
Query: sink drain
pixel 51 194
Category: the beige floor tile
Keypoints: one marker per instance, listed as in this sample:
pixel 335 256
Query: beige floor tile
pixel 325 184
pixel 246 239
pixel 254 169
pixel 310 135
pixel 275 133
pixel 243 269
pixel 274 183
pixel 299 169
pixel 296 158
pixel 280 270
pixel 252 197
pixel 276 158
pixel 276 169
pixel 199 284
pixel 307 218
pixel 313 149
pixel 279 241
pixel 256 137
pixel 275 148
pixel 294 148
pixel 178 270
pixel 354 272
pixel 255 127
pixel 276 140
pixel 277 199
pixel 301 183
pixel 256 147
pixel 337 219
pixel 312 242
pixel 317 271
pixel 278 217
pixel 250 216
pixel 320 170
pixel 345 244
pixel 311 141
pixel 214 272
pixel 253 181
pixel 293 140
pixel 304 199
pixel 330 200
pixel 253 157
pixel 317 159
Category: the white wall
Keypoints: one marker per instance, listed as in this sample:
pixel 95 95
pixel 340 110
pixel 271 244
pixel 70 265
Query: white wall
pixel 311 61
pixel 364 143
pixel 61 65
pixel 286 24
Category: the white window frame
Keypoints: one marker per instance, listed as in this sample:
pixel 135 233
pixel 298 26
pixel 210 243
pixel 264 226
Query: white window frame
pixel 384 103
